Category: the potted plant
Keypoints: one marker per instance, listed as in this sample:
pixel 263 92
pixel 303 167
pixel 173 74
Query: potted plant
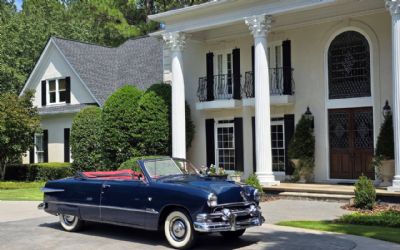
pixel 236 176
pixel 216 172
pixel 301 149
pixel 384 152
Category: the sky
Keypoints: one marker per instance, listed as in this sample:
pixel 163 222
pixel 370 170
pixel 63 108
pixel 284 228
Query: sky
pixel 18 3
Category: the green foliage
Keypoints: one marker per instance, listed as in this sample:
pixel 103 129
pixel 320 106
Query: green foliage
pixel 20 185
pixel 253 181
pixel 302 144
pixel 39 171
pixel 86 140
pixel 119 138
pixel 164 91
pixel 152 125
pixel 365 194
pixel 133 164
pixel 385 143
pixel 390 218
pixel 19 120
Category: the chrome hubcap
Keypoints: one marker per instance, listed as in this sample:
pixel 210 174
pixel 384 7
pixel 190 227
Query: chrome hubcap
pixel 178 229
pixel 68 219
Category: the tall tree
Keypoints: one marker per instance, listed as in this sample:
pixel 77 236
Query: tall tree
pixel 19 121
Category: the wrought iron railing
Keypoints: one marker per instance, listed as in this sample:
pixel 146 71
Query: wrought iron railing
pixel 222 88
pixel 276 83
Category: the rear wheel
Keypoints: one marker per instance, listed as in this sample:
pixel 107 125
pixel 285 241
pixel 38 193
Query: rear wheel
pixel 70 223
pixel 178 229
pixel 233 234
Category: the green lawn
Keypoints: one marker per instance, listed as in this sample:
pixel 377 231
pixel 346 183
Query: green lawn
pixel 21 191
pixel 382 233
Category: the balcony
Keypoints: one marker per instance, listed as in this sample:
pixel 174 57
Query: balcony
pixel 220 91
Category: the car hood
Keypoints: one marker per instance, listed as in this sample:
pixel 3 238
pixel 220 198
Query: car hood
pixel 226 191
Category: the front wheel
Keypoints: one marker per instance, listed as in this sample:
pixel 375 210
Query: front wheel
pixel 233 234
pixel 178 230
pixel 70 223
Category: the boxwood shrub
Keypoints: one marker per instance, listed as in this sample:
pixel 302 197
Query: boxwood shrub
pixel 39 171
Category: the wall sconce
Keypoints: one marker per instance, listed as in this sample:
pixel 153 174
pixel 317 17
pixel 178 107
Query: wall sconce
pixel 309 116
pixel 386 109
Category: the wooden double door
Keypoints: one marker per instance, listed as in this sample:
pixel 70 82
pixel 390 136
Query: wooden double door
pixel 351 142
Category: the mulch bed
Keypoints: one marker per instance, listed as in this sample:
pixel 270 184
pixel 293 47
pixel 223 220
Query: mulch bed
pixel 380 207
pixel 269 197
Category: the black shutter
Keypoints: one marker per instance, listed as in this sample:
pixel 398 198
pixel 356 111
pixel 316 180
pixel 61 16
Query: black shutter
pixel 253 67
pixel 210 76
pixel 43 93
pixel 287 68
pixel 32 151
pixel 238 122
pixel 236 73
pixel 253 129
pixel 68 89
pixel 210 142
pixel 66 145
pixel 45 145
pixel 289 131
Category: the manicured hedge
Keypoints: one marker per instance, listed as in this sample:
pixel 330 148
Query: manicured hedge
pixel 39 171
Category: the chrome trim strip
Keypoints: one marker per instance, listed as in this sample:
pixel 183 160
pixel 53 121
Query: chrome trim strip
pixel 51 190
pixel 147 210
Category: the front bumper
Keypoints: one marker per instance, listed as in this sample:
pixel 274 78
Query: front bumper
pixel 227 219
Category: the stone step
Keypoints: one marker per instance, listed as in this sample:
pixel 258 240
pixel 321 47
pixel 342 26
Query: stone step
pixel 317 196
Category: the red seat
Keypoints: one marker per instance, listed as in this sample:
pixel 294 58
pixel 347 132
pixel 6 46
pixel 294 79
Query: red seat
pixel 126 174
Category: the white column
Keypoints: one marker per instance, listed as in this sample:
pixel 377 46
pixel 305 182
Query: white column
pixel 176 41
pixel 259 27
pixel 394 7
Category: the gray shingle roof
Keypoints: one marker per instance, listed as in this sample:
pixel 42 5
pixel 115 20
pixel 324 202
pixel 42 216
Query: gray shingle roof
pixel 67 108
pixel 136 62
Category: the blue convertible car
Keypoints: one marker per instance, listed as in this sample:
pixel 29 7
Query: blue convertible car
pixel 159 194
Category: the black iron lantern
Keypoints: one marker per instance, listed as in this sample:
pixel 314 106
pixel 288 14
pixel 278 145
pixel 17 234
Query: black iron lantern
pixel 309 116
pixel 386 109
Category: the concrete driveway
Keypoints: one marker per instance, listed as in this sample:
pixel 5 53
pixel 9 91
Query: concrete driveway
pixel 44 232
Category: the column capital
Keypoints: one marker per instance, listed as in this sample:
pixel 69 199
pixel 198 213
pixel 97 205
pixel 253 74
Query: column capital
pixel 259 25
pixel 393 6
pixel 175 40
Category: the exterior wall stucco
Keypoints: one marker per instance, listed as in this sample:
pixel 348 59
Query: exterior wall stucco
pixel 309 46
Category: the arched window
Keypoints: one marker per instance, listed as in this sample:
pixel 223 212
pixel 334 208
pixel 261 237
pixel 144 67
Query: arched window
pixel 349 66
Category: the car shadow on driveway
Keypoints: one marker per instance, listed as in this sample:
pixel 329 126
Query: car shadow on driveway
pixel 255 238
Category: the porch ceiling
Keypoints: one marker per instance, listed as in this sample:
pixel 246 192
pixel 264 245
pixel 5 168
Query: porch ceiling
pixel 215 27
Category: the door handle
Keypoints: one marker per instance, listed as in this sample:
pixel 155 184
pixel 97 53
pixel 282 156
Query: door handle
pixel 106 186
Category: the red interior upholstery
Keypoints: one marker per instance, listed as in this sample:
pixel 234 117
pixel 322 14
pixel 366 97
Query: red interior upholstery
pixel 126 174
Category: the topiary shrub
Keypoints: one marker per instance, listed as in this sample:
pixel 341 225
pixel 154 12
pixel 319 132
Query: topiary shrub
pixel 302 144
pixel 52 170
pixel 164 91
pixel 152 125
pixel 365 194
pixel 86 139
pixel 119 140
pixel 385 142
pixel 132 163
pixel 253 181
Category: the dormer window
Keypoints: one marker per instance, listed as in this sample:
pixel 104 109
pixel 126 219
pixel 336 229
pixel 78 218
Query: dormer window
pixel 57 91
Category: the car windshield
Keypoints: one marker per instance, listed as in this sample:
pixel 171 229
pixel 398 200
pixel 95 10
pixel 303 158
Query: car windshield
pixel 161 168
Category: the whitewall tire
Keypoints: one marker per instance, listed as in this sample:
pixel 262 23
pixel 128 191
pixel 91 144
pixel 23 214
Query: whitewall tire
pixel 70 223
pixel 178 229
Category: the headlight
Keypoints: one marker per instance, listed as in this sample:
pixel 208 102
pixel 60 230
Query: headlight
pixel 257 195
pixel 212 200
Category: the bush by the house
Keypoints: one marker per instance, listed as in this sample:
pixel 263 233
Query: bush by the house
pixel 39 171
pixel 132 163
pixel 385 142
pixel 152 125
pixel 390 218
pixel 303 142
pixel 164 91
pixel 119 141
pixel 86 139
pixel 365 193
pixel 253 181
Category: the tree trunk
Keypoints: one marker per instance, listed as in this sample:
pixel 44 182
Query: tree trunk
pixel 3 170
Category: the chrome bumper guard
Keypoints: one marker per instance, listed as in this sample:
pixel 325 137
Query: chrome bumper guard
pixel 228 220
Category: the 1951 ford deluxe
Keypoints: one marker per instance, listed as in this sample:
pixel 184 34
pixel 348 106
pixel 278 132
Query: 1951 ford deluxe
pixel 159 194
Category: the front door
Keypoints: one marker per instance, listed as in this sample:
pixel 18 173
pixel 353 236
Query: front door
pixel 351 142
